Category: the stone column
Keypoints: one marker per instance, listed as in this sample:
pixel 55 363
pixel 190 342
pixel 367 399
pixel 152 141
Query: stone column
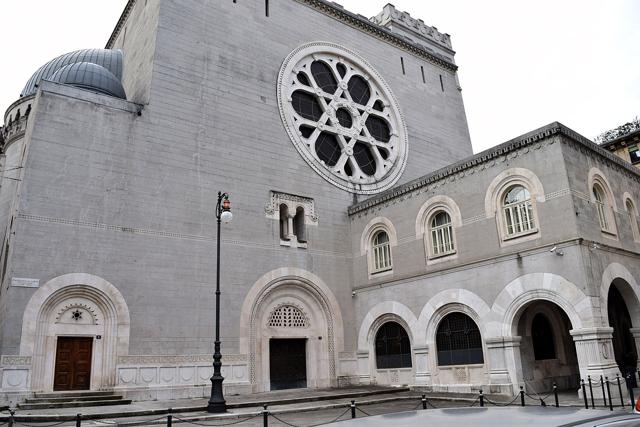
pixel 594 348
pixel 505 366
pixel 290 234
pixel 423 375
pixel 364 372
pixel 636 337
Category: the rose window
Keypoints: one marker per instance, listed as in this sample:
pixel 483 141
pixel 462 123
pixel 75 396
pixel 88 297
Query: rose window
pixel 342 118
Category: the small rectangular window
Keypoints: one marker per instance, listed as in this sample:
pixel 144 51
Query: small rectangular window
pixel 422 71
pixel 266 8
pixel 402 64
pixel 441 83
pixel 634 154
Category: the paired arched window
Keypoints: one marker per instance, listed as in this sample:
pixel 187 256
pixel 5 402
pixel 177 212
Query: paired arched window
pixel 602 206
pixel 517 211
pixel 393 348
pixel 441 234
pixel 544 346
pixel 458 341
pixel 381 251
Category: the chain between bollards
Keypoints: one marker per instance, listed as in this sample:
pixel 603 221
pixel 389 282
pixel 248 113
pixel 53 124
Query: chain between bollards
pixel 353 409
pixel 620 390
pixel 584 394
pixel 555 394
pixel 521 396
pixel 593 405
pixel 481 399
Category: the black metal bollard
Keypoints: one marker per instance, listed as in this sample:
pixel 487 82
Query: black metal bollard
pixel 265 416
pixel 604 396
pixel 424 402
pixel 11 414
pixel 78 420
pixel 620 390
pixel 555 394
pixel 481 399
pixel 630 388
pixel 521 396
pixel 353 409
pixel 609 393
pixel 593 405
pixel 169 420
pixel 584 395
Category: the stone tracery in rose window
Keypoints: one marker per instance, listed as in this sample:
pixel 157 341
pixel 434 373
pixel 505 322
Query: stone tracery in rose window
pixel 345 120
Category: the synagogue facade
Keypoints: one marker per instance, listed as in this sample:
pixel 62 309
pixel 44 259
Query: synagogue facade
pixel 369 245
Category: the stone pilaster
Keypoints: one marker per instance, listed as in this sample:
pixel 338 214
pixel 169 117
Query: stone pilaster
pixel 636 337
pixel 423 374
pixel 364 371
pixel 503 359
pixel 594 348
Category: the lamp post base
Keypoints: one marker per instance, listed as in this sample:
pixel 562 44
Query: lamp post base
pixel 217 404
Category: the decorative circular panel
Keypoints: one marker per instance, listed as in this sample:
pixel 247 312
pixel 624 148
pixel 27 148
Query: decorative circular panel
pixel 342 117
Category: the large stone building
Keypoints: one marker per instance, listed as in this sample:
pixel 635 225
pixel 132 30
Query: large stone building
pixel 368 244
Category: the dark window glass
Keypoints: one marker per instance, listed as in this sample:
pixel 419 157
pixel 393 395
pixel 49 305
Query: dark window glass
pixel 344 117
pixel 634 154
pixel 359 90
pixel 324 76
pixel 365 159
pixel 542 336
pixel 306 131
pixel 393 348
pixel 328 149
pixel 306 105
pixel 378 105
pixel 347 169
pixel 302 78
pixel 383 153
pixel 458 341
pixel 378 128
pixel 342 70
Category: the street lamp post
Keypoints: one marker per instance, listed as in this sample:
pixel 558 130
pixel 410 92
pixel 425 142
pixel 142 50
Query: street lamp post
pixel 217 403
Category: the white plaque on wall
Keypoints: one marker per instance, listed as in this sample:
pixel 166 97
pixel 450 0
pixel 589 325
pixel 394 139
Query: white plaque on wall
pixel 24 282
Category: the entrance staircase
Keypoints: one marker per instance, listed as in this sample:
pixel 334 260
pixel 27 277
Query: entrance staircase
pixel 73 399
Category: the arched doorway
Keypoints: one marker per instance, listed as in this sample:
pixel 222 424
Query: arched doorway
pixel 624 346
pixel 547 350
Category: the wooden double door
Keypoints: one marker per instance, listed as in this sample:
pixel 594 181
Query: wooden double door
pixel 73 363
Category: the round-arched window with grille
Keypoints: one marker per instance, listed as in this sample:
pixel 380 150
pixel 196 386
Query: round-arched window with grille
pixel 393 348
pixel 458 340
pixel 342 118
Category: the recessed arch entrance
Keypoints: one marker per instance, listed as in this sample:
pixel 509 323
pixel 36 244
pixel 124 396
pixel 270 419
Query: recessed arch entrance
pixel 291 317
pixel 620 301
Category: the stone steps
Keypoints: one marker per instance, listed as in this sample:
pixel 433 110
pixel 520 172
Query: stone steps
pixel 73 400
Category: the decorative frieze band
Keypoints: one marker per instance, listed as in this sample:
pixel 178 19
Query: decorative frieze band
pixel 15 360
pixel 177 360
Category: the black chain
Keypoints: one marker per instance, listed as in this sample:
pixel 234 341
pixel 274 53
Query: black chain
pixel 502 404
pixel 364 412
pixel 333 420
pixel 43 425
pixel 241 420
pixel 283 421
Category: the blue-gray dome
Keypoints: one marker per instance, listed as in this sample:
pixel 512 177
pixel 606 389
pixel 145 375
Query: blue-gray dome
pixel 107 58
pixel 89 76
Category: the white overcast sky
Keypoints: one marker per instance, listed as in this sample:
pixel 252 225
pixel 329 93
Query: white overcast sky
pixel 522 64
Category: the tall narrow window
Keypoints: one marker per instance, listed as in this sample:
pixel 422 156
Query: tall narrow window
pixel 518 211
pixel 402 64
pixel 441 232
pixel 298 225
pixel 422 71
pixel 441 83
pixel 542 336
pixel 601 206
pixel 381 252
pixel 266 8
pixel 458 341
pixel 633 222
pixel 284 222
pixel 393 348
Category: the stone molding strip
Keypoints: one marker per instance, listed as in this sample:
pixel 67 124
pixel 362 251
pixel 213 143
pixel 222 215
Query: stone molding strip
pixel 123 18
pixel 176 360
pixel 528 139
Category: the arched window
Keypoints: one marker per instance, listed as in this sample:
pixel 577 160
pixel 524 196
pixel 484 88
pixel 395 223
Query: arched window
pixel 458 341
pixel 544 346
pixel 393 348
pixel 602 206
pixel 631 212
pixel 517 211
pixel 441 232
pixel 381 252
pixel 298 225
pixel 284 222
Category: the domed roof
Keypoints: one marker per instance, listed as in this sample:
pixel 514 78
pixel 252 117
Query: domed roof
pixel 89 76
pixel 107 58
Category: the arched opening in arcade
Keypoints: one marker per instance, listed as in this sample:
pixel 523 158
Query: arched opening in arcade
pixel 393 359
pixel 621 302
pixel 547 350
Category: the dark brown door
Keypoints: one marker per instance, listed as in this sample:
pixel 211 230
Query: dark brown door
pixel 288 363
pixel 73 363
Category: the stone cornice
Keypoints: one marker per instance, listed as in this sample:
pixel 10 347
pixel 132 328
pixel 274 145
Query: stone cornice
pixel 362 23
pixel 527 139
pixel 120 24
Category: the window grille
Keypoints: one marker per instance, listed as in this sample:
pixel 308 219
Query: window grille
pixel 288 316
pixel 393 348
pixel 543 339
pixel 458 341
pixel 381 252
pixel 441 234
pixel 601 206
pixel 518 211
